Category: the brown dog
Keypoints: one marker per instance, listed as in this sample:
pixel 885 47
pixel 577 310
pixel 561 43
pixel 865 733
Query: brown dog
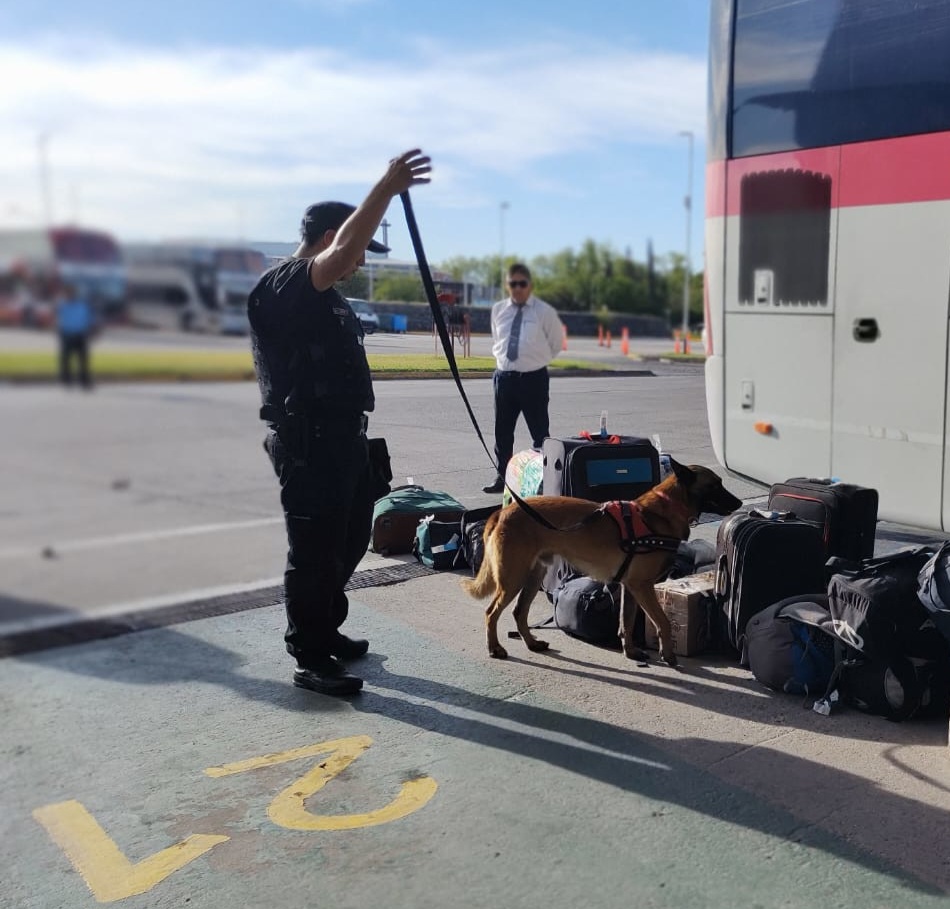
pixel 518 548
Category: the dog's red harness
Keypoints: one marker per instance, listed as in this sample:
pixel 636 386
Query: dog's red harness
pixel 635 535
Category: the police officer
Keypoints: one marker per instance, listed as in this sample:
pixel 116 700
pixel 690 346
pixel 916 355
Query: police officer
pixel 316 391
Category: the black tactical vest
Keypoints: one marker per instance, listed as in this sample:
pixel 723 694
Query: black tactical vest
pixel 307 346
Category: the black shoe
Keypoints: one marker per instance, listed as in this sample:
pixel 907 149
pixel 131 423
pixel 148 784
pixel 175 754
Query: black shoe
pixel 497 486
pixel 344 648
pixel 327 676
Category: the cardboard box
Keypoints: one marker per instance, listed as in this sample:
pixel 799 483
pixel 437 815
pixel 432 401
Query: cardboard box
pixel 687 603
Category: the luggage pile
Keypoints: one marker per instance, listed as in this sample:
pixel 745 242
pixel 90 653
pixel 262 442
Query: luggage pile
pixel 812 613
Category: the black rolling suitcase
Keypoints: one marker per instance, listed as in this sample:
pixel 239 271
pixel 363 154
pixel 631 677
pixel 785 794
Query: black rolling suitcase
pixel 602 471
pixel 764 557
pixel 846 514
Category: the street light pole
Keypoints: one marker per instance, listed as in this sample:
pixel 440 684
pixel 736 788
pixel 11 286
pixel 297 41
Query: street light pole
pixel 501 257
pixel 688 202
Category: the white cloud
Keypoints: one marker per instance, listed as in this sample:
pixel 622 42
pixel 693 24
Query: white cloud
pixel 153 142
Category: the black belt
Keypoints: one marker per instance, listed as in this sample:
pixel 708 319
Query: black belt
pixel 337 424
pixel 327 424
pixel 507 373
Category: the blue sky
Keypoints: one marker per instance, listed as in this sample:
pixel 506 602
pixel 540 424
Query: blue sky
pixel 224 120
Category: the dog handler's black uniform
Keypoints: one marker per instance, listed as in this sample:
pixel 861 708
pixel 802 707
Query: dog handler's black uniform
pixel 316 390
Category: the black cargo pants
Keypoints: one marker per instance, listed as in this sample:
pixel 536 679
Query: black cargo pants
pixel 328 510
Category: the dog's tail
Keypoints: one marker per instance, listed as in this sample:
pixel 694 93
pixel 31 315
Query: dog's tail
pixel 485 583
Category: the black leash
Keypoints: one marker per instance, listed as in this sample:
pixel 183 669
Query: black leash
pixel 440 325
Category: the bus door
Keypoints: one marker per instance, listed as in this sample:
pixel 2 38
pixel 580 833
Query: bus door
pixel 780 254
pixel 890 339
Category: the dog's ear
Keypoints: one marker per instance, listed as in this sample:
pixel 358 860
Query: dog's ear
pixel 683 473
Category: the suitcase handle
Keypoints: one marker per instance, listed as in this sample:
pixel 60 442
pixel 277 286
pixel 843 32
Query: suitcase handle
pixel 722 580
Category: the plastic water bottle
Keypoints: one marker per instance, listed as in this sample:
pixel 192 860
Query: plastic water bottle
pixel 665 467
pixel 603 424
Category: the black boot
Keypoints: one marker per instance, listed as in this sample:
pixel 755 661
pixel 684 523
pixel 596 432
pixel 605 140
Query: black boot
pixel 327 676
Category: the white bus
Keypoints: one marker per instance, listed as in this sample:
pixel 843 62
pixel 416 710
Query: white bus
pixel 36 262
pixel 191 287
pixel 828 246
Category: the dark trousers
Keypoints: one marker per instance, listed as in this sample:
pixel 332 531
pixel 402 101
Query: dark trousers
pixel 74 347
pixel 328 510
pixel 519 393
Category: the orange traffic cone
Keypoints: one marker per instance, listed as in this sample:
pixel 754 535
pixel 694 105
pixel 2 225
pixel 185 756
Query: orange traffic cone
pixel 625 341
pixel 564 340
pixel 600 335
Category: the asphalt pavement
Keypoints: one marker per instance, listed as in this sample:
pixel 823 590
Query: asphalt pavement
pixel 163 759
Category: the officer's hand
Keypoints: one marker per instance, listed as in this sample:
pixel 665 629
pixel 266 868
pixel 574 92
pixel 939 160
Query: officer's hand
pixel 410 169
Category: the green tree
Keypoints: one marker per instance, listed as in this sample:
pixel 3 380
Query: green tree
pixel 596 278
pixel 397 286
pixel 356 285
pixel 675 273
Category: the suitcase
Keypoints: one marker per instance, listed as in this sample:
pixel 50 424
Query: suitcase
pixel 846 514
pixel 397 515
pixel 599 471
pixel 764 557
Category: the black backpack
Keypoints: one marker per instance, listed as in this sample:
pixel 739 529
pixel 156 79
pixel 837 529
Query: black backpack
pixel 895 661
pixel 472 546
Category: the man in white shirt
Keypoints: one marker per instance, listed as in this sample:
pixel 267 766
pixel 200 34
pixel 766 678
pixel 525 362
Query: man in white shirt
pixel 526 336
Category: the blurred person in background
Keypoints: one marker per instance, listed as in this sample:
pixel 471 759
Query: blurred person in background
pixel 316 390
pixel 75 324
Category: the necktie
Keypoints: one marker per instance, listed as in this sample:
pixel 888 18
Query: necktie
pixel 513 338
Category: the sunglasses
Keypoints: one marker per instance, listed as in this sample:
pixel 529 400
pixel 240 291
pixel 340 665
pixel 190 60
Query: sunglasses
pixel 517 283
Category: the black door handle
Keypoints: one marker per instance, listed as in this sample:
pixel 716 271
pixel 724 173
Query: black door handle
pixel 866 330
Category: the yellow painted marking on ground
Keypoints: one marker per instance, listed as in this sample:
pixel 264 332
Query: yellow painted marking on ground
pixel 288 808
pixel 354 745
pixel 105 869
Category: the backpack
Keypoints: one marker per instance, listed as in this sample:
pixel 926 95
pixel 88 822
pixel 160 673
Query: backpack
pixel 788 648
pixel 875 608
pixel 437 543
pixel 933 588
pixel 472 546
pixel 896 663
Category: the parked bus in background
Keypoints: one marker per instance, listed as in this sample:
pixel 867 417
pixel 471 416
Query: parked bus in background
pixel 36 262
pixel 191 286
pixel 828 246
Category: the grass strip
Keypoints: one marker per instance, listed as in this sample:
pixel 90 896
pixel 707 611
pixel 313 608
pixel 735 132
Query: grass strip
pixel 224 365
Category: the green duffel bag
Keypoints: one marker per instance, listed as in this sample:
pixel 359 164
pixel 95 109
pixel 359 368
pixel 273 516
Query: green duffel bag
pixel 397 515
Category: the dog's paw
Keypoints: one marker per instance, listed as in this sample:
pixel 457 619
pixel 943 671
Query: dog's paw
pixel 498 653
pixel 670 658
pixel 537 646
pixel 635 653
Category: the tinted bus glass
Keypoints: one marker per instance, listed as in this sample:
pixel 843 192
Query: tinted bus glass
pixel 812 73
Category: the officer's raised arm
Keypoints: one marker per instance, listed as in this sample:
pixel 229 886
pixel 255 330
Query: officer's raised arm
pixel 339 253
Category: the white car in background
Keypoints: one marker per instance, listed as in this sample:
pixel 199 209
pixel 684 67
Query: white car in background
pixel 365 313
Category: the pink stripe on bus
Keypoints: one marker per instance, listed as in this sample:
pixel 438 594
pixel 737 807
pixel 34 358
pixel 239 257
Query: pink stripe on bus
pixel 909 169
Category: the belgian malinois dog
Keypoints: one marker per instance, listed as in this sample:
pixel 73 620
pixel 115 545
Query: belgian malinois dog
pixel 518 548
